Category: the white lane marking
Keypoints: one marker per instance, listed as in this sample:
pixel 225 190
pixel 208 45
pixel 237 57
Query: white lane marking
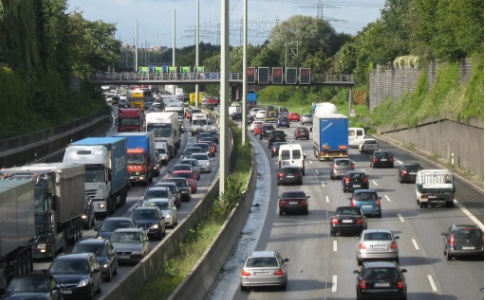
pixel 432 283
pixel 310 161
pixel 400 217
pixel 469 214
pixel 334 283
pixel 327 199
pixel 374 182
pixel 399 161
pixel 334 245
pixel 415 244
pixel 387 198
pixel 316 171
pixel 323 184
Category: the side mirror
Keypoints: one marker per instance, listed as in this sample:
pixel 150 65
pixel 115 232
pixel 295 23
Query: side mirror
pixel 397 237
pixel 286 260
pixel 404 270
pixel 444 234
pixel 356 272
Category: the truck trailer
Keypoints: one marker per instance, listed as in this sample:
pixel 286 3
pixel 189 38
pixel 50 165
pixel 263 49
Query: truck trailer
pixel 330 133
pixel 58 204
pixel 106 177
pixel 165 126
pixel 16 228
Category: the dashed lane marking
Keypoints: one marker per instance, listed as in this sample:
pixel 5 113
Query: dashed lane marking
pixel 334 245
pixel 387 198
pixel 432 283
pixel 327 199
pixel 334 283
pixel 374 182
pixel 400 217
pixel 415 244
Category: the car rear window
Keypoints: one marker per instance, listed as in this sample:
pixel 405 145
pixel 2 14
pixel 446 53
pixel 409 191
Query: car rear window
pixel 156 194
pixel 381 274
pixel 377 236
pixel 343 163
pixel 347 211
pixel 296 154
pixel 289 170
pixel 293 195
pixel 262 262
pixel 365 196
pixel 467 233
pixel 356 175
pixel 285 154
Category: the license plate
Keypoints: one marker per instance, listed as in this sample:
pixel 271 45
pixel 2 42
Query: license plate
pixel 67 292
pixel 356 185
pixel 290 176
pixel 468 248
pixel 347 221
pixel 124 256
pixel 432 197
pixel 378 247
pixel 262 273
pixel 293 202
pixel 366 206
pixel 382 284
pixel 383 159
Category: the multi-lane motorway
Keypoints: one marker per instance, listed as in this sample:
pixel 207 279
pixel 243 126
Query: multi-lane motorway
pixel 321 266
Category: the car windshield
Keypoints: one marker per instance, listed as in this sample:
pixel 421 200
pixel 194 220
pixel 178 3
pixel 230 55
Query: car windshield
pixel 28 284
pixel 112 226
pixel 156 193
pixel 377 236
pixel 144 214
pixel 381 274
pixel 262 262
pixel 69 266
pixel 97 249
pixel 126 237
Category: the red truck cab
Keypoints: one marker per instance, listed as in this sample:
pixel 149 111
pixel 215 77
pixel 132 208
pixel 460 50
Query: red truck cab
pixel 140 167
pixel 130 120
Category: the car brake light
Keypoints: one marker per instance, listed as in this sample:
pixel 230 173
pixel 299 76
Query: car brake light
pixel 347 180
pixel 393 245
pixel 303 202
pixel 451 239
pixel 359 221
pixel 352 167
pixel 362 284
pixel 401 284
pixel 279 272
pixel 353 203
pixel 297 175
pixel 404 173
pixel 365 180
pixel 283 203
pixel 281 175
pixel 378 203
pixel 390 159
pixel 375 159
pixel 245 273
pixel 334 220
pixel 362 246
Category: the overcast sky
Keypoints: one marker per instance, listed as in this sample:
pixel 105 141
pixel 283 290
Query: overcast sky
pixel 155 17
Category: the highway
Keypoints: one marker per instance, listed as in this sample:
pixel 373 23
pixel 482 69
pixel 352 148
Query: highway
pixel 321 266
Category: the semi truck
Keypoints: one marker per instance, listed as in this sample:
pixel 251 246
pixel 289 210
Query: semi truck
pixel 16 228
pixel 165 126
pixel 136 98
pixel 129 120
pixel 329 133
pixel 58 204
pixel 141 159
pixel 435 187
pixel 177 107
pixel 106 171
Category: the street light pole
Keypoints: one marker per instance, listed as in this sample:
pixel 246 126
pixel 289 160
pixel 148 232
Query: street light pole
pixel 197 50
pixel 224 87
pixel 244 103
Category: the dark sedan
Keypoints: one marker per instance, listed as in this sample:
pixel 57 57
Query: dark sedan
pixel 276 147
pixel 382 158
pixel 32 286
pixel 113 223
pixel 150 218
pixel 265 131
pixel 301 133
pixel 408 172
pixel 283 122
pixel 276 136
pixel 348 219
pixel 381 280
pixel 105 255
pixel 353 180
pixel 293 201
pixel 289 175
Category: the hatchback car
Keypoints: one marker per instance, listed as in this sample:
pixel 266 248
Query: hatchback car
pixel 348 219
pixel 353 180
pixel 78 274
pixel 306 119
pixel 184 167
pixel 111 224
pixel 195 165
pixel 463 240
pixel 131 244
pixel 408 172
pixel 189 176
pixel 105 254
pixel 340 166
pixel 382 158
pixel 376 244
pixel 151 220
pixel 204 147
pixel 368 201
pixel 283 122
pixel 264 268
pixel 294 117
pixel 168 209
pixel 381 280
pixel 289 175
pixel 276 147
pixel 293 201
pixel 183 186
pixel 301 133
pixel 276 136
pixel 32 286
pixel 159 192
pixel 203 160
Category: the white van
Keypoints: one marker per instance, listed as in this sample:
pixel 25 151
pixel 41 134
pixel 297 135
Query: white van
pixel 291 155
pixel 355 136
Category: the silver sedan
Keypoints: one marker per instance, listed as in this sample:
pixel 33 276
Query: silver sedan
pixel 131 244
pixel 264 268
pixel 377 244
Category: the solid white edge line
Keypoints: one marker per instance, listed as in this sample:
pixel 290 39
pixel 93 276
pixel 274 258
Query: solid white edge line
pixel 334 283
pixel 334 245
pixel 415 244
pixel 400 217
pixel 387 198
pixel 327 199
pixel 432 283
pixel 470 215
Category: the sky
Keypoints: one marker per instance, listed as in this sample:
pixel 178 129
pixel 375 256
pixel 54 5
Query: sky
pixel 156 18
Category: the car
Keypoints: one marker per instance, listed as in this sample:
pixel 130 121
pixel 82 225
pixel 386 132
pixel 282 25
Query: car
pixel 123 103
pixel 32 286
pixel 183 186
pixel 368 201
pixel 131 244
pixel 173 188
pixel 276 147
pixel 261 114
pixel 289 175
pixel 407 172
pixel 78 275
pixel 111 224
pixel 283 122
pixel 382 158
pixel 355 179
pixel 190 150
pixel 188 176
pixel 376 244
pixel 381 280
pixel 195 166
pixel 159 192
pixel 257 130
pixel 306 119
pixel 294 117
pixel 301 133
pixel 105 254
pixel 184 167
pixel 348 219
pixel 204 148
pixel 276 136
pixel 151 220
pixel 368 146
pixel 168 209
pixel 212 126
pixel 293 201
pixel 463 240
pixel 254 111
pixel 254 124
pixel 340 166
pixel 213 134
pixel 264 268
pixel 203 160
pixel 88 215
pixel 265 131
pixel 212 147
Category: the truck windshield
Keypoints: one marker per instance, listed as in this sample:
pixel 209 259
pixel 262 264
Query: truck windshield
pixel 41 222
pixel 135 158
pixel 129 122
pixel 41 203
pixel 94 175
pixel 160 131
